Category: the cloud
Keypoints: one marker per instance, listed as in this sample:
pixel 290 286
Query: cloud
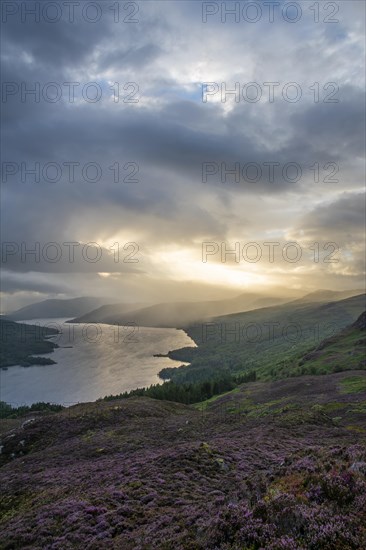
pixel 341 220
pixel 166 138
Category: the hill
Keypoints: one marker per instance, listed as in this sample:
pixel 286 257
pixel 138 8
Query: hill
pixel 278 465
pixel 328 296
pixel 268 340
pixel 343 351
pixel 176 314
pixel 20 343
pixel 56 308
pixel 106 311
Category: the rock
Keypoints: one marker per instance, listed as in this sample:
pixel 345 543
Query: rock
pixel 359 467
pixel 361 322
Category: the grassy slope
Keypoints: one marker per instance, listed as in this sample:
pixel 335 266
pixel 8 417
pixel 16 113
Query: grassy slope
pixel 278 465
pixel 270 340
pixel 345 350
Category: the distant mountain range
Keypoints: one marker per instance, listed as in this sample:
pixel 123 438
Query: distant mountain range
pixel 56 308
pixel 328 296
pixel 169 314
pixel 106 311
pixel 176 314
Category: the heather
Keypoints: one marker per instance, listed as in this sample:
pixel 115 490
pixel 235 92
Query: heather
pixel 278 465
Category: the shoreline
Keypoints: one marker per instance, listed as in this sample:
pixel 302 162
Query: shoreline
pixel 132 367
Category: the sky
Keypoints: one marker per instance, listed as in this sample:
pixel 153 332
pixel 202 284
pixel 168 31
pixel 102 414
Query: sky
pixel 170 150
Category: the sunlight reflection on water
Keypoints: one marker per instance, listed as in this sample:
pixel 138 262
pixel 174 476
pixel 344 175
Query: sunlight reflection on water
pixel 102 360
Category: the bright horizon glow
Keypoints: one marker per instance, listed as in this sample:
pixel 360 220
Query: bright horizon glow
pixel 168 204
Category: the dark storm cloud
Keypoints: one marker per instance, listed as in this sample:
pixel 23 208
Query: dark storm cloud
pixel 320 124
pixel 11 284
pixel 341 221
pixel 179 135
pixel 130 57
pixel 68 257
pixel 55 45
pixel 170 153
pixel 170 133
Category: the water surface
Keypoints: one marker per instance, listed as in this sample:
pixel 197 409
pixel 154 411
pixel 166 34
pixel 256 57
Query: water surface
pixel 92 361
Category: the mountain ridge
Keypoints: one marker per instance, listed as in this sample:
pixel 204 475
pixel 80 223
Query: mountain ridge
pixel 55 307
